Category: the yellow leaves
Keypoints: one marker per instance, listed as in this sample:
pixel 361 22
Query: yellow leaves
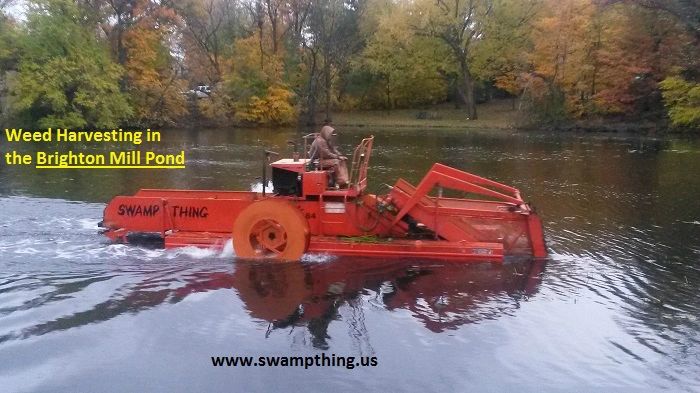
pixel 253 57
pixel 154 87
pixel 560 39
pixel 682 99
pixel 402 66
pixel 248 55
pixel 275 108
pixel 255 83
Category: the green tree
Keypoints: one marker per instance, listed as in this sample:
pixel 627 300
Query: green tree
pixel 333 27
pixel 457 24
pixel 682 98
pixel 502 54
pixel 66 76
pixel 9 55
pixel 404 66
pixel 8 43
pixel 256 87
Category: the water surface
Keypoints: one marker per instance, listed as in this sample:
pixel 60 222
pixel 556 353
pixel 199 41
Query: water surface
pixel 615 307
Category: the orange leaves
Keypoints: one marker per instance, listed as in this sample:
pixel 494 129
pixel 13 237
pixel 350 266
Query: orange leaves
pixel 560 38
pixel 154 86
pixel 605 60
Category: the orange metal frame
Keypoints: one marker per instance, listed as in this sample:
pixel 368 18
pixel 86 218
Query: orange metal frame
pixel 406 222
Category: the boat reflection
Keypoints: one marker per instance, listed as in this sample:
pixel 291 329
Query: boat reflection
pixel 442 296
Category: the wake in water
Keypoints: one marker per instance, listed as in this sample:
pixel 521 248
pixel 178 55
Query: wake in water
pixel 40 230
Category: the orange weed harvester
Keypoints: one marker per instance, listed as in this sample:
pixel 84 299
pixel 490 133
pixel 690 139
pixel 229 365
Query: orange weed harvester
pixel 305 213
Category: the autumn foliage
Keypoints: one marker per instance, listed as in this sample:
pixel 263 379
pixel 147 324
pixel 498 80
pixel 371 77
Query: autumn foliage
pixel 273 62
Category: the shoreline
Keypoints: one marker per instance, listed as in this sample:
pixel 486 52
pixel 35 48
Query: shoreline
pixel 497 116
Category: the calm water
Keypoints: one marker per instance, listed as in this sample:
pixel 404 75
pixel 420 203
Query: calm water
pixel 615 307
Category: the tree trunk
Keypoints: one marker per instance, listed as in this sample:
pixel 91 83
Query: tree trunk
pixel 260 41
pixel 388 94
pixel 259 15
pixel 311 92
pixel 310 115
pixel 466 91
pixel 272 14
pixel 121 52
pixel 327 87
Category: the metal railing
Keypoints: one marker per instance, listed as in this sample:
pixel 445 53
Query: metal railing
pixel 360 163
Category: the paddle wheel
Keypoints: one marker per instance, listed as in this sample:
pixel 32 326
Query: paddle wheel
pixel 305 212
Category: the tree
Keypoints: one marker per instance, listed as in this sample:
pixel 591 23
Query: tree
pixel 403 66
pixel 602 60
pixel 125 13
pixel 682 99
pixel 209 30
pixel 8 42
pixel 333 27
pixel 459 25
pixel 561 58
pixel 258 90
pixel 154 85
pixel 502 54
pixel 639 47
pixel 66 77
pixel 687 11
pixel 685 76
pixel 302 60
pixel 9 56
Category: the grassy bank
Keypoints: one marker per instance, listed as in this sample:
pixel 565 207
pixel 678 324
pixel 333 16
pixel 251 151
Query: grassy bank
pixel 492 115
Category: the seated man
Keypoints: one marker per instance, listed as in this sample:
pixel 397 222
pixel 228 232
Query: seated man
pixel 329 157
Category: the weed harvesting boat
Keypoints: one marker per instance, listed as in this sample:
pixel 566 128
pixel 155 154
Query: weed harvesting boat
pixel 305 213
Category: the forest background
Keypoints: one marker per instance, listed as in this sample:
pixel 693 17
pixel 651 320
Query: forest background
pixel 109 63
